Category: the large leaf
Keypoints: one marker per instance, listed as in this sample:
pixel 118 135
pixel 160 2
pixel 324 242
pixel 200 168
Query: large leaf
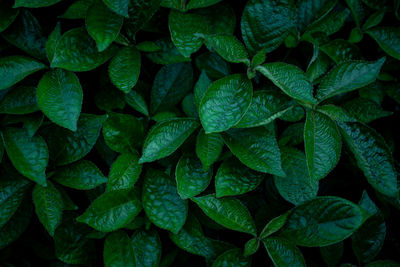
pixel 59 96
pixel 323 221
pixel 124 69
pixel 323 144
pixel 112 210
pixel 256 148
pixel 266 23
pixel 28 154
pixel 388 38
pixel 76 51
pixel 161 202
pixel 15 68
pixel 118 250
pixel 228 212
pixel 124 172
pixel 225 103
pixel 166 137
pixel 147 248
pixel 283 253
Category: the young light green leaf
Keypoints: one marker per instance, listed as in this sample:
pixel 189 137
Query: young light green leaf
pixel 112 210
pixel 15 68
pixel 147 248
pixel 161 202
pixel 60 96
pixel 76 51
pixel 256 148
pixel 191 178
pixel 296 187
pixel 225 103
pixel 166 137
pixel 233 179
pixel 232 258
pixel 48 205
pixel 118 250
pixel 19 100
pixel 348 76
pixel 322 221
pixel 35 3
pixel 388 38
pixel 266 23
pixel 120 7
pixel 229 48
pixel 124 69
pixel 81 175
pixel 228 212
pixel 283 253
pixel 208 148
pixel 29 155
pixel 373 157
pixel 290 79
pixel 322 143
pixel 124 173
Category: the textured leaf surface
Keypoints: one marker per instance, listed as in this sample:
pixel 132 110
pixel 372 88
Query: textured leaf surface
pixel 120 7
pixel 124 69
pixel 124 172
pixel 229 48
pixel 283 253
pixel 147 248
pixel 19 100
pixel 388 39
pixel 208 148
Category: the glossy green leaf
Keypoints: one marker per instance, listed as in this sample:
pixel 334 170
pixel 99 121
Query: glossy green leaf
pixel 29 155
pixel 120 7
pixel 328 24
pixel 232 258
pixel 274 225
pixel 208 148
pixel 147 248
pixel 137 102
pixel 124 69
pixel 124 173
pixel 112 210
pixel 283 253
pixel 52 41
pixel 225 103
pixel 228 212
pixel 19 100
pixel 229 48
pixel 233 179
pixel 161 202
pixel 48 205
pixel 191 179
pixel 388 39
pixel 81 175
pixel 59 97
pixel 118 250
pixel 166 137
pixel 256 148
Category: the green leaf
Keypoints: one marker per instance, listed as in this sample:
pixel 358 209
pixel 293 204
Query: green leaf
pixel 67 147
pixel 336 113
pixel 59 97
pixel 323 144
pixel 328 24
pixel 357 10
pixel 322 221
pixel 229 48
pixel 318 66
pixel 112 210
pixel 201 87
pixel 232 258
pixel 251 247
pixel 52 41
pixel 124 173
pixel 165 137
pixel 266 23
pixel 12 191
pixel 208 148
pixel 170 85
pixel 48 205
pixel 122 132
pixel 256 148
pixel 191 179
pixel 228 212
pixel 348 76
pixel 29 155
pixel 283 253
pixel 168 53
pixel 319 9
pixel 332 254
pixel 147 248
pixel 185 29
pixel 15 68
pixel 225 103
pixel 118 250
pixel 76 51
pixel 296 187
pixel 124 69
pixel 7 15
pixel 140 13
pixel 290 79
pixel 77 10
pixel 233 179
pixel 119 7
pixel 365 110
pixel 340 50
pixel 137 102
pixel 161 202
pixel 274 225
pixel 35 3
pixel 388 38
pixel 19 100
pixel 201 3
pixel 373 157
pixel 103 25
pixel 81 175
pixel 265 107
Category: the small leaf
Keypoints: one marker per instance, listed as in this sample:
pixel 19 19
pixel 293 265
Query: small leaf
pixel 124 172
pixel 112 210
pixel 208 148
pixel 124 69
pixel 60 96
pixel 274 225
pixel 228 212
pixel 118 250
pixel 166 137
pixel 283 253
pixel 161 202
pixel 137 102
pixel 48 206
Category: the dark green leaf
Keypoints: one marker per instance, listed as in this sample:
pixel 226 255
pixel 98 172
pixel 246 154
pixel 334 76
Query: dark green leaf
pixel 19 100
pixel 118 250
pixel 147 248
pixel 124 69
pixel 283 253
pixel 124 172
pixel 232 258
pixel 208 148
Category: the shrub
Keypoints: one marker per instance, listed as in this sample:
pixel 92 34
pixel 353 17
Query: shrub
pixel 199 132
